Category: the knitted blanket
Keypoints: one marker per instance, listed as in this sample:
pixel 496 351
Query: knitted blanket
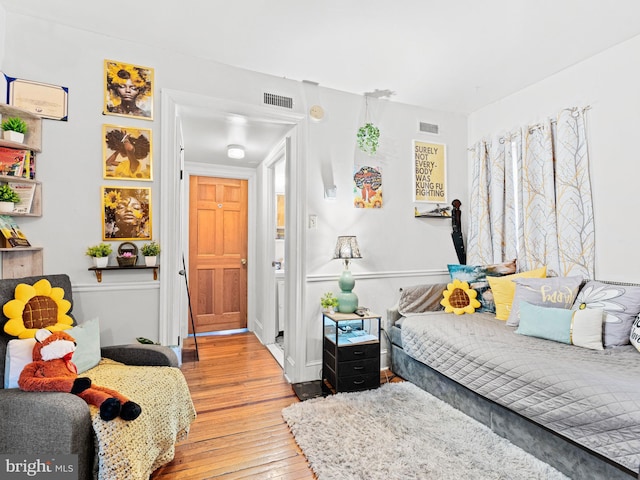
pixel 133 450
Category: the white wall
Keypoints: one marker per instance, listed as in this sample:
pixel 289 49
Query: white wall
pixel 609 82
pixel 397 248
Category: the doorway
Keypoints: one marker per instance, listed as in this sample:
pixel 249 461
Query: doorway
pixel 276 190
pixel 182 117
pixel 218 253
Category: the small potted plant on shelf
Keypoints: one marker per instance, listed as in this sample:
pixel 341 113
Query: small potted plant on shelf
pixel 150 252
pixel 329 303
pixel 8 198
pixel 100 254
pixel 14 129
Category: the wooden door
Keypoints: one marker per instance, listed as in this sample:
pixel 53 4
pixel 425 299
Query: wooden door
pixel 218 253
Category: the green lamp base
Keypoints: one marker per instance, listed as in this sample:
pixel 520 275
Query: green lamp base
pixel 347 300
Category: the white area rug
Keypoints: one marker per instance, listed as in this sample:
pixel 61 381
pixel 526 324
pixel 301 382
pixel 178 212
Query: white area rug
pixel 399 431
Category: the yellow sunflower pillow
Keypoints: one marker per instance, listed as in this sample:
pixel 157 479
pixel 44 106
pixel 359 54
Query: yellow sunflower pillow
pixel 459 298
pixel 34 307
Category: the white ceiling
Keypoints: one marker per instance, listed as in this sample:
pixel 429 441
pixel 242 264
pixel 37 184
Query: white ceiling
pixel 446 55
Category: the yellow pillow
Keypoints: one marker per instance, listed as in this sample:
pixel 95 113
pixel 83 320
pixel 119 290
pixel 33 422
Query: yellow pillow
pixel 459 298
pixel 36 306
pixel 504 290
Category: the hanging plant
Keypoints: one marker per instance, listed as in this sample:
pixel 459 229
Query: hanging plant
pixel 368 137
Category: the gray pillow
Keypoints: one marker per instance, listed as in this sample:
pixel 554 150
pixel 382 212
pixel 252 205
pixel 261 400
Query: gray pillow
pixel 556 292
pixel 421 298
pixel 621 304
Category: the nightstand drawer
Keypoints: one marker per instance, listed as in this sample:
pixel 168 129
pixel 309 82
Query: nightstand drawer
pixel 358 382
pixel 359 367
pixel 358 352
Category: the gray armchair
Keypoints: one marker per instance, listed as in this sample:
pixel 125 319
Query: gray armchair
pixel 42 423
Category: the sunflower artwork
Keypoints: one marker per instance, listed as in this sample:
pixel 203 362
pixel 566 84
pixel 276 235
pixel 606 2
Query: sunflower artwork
pixel 128 90
pixel 126 213
pixel 459 298
pixel 126 153
pixel 37 306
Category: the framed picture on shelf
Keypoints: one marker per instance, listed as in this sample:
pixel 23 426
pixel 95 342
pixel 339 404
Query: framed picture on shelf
pixel 43 99
pixel 126 153
pixel 128 90
pixel 429 172
pixel 126 213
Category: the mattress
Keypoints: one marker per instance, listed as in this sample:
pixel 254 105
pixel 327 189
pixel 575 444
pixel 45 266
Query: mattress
pixel 591 397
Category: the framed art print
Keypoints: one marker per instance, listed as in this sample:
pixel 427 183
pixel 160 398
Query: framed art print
pixel 126 153
pixel 128 90
pixel 367 187
pixel 429 172
pixel 43 99
pixel 126 213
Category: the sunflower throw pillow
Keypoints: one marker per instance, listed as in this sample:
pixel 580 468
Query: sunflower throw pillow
pixel 459 298
pixel 37 306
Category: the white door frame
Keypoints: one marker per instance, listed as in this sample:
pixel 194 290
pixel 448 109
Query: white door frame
pixel 173 321
pixel 269 322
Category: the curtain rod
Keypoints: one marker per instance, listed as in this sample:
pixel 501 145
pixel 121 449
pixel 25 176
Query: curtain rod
pixel 575 111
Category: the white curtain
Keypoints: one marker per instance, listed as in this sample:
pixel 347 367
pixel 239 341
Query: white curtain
pixel 531 198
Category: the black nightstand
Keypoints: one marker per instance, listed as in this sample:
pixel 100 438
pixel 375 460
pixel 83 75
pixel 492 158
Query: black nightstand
pixel 351 351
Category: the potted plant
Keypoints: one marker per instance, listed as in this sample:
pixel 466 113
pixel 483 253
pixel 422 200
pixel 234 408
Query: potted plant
pixel 329 303
pixel 150 252
pixel 100 254
pixel 368 137
pixel 8 198
pixel 14 129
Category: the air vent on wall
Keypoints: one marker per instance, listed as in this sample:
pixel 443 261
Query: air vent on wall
pixel 278 100
pixel 429 128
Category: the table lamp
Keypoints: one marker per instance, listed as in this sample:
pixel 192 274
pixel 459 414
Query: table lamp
pixel 347 248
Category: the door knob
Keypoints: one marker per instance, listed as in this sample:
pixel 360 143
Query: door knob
pixel 243 261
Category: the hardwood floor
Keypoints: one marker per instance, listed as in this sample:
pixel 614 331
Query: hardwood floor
pixel 238 390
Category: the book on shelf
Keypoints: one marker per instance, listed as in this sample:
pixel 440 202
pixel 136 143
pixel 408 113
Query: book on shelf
pixel 26 192
pixel 13 236
pixel 30 166
pixel 12 161
pixel 16 162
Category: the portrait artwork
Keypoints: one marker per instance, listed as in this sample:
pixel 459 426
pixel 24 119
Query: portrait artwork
pixel 126 213
pixel 126 153
pixel 367 187
pixel 128 90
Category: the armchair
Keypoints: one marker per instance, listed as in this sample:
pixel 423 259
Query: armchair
pixel 44 423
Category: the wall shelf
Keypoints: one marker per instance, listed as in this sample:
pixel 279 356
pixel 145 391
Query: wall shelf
pixel 98 270
pixel 33 137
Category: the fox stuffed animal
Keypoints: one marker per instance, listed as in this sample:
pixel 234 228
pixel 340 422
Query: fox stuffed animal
pixel 53 371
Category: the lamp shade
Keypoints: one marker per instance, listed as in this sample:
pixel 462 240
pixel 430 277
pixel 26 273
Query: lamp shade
pixel 347 247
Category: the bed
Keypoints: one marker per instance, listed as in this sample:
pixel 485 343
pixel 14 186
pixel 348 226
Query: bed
pixel 575 408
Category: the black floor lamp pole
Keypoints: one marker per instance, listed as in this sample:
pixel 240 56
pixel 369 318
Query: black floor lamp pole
pixel 183 272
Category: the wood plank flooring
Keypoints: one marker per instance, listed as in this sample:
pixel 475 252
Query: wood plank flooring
pixel 238 390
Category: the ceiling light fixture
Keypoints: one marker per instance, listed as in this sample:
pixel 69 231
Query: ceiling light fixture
pixel 235 151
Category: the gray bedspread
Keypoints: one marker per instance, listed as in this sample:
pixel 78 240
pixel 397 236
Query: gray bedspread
pixel 589 396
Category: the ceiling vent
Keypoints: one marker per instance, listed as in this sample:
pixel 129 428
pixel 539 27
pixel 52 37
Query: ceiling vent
pixel 278 100
pixel 429 128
